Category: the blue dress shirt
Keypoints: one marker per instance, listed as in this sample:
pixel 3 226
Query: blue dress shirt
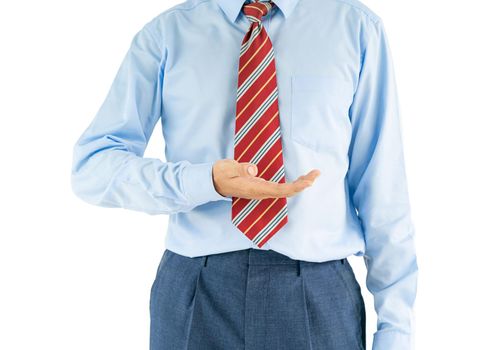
pixel 338 113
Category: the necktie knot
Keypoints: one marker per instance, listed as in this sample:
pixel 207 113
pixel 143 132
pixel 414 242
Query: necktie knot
pixel 256 10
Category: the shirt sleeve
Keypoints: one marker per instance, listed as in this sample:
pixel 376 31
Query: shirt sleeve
pixel 108 167
pixel 378 187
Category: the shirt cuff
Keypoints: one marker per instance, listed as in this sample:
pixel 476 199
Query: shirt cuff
pixel 198 184
pixel 387 340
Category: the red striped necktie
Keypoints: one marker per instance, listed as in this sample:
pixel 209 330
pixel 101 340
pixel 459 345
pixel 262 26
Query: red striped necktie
pixel 257 129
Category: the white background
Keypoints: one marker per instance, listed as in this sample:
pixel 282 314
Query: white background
pixel 75 276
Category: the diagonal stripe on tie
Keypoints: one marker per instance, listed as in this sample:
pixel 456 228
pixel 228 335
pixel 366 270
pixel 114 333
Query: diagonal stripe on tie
pixel 257 129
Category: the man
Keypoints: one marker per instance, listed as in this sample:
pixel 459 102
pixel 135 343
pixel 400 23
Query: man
pixel 284 157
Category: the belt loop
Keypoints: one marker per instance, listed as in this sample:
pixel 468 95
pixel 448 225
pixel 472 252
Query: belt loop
pixel 206 259
pixel 343 261
pixel 299 267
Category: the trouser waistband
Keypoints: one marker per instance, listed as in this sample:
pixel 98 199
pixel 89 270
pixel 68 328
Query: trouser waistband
pixel 253 256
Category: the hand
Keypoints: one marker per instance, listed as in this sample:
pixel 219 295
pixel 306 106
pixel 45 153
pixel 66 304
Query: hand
pixel 234 179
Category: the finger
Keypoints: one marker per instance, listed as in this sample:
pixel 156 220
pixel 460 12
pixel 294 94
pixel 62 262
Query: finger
pixel 299 184
pixel 312 175
pixel 247 169
pixel 291 188
pixel 266 189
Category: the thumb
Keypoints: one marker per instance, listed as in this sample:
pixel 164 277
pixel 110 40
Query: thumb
pixel 248 169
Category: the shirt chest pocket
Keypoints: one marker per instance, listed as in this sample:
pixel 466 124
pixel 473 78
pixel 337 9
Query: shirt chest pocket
pixel 319 111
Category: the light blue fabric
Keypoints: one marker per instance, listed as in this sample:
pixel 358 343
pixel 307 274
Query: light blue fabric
pixel 338 112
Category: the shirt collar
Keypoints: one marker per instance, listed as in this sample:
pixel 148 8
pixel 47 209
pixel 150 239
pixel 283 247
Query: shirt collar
pixel 233 7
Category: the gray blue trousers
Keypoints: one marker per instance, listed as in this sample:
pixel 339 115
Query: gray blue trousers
pixel 255 300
